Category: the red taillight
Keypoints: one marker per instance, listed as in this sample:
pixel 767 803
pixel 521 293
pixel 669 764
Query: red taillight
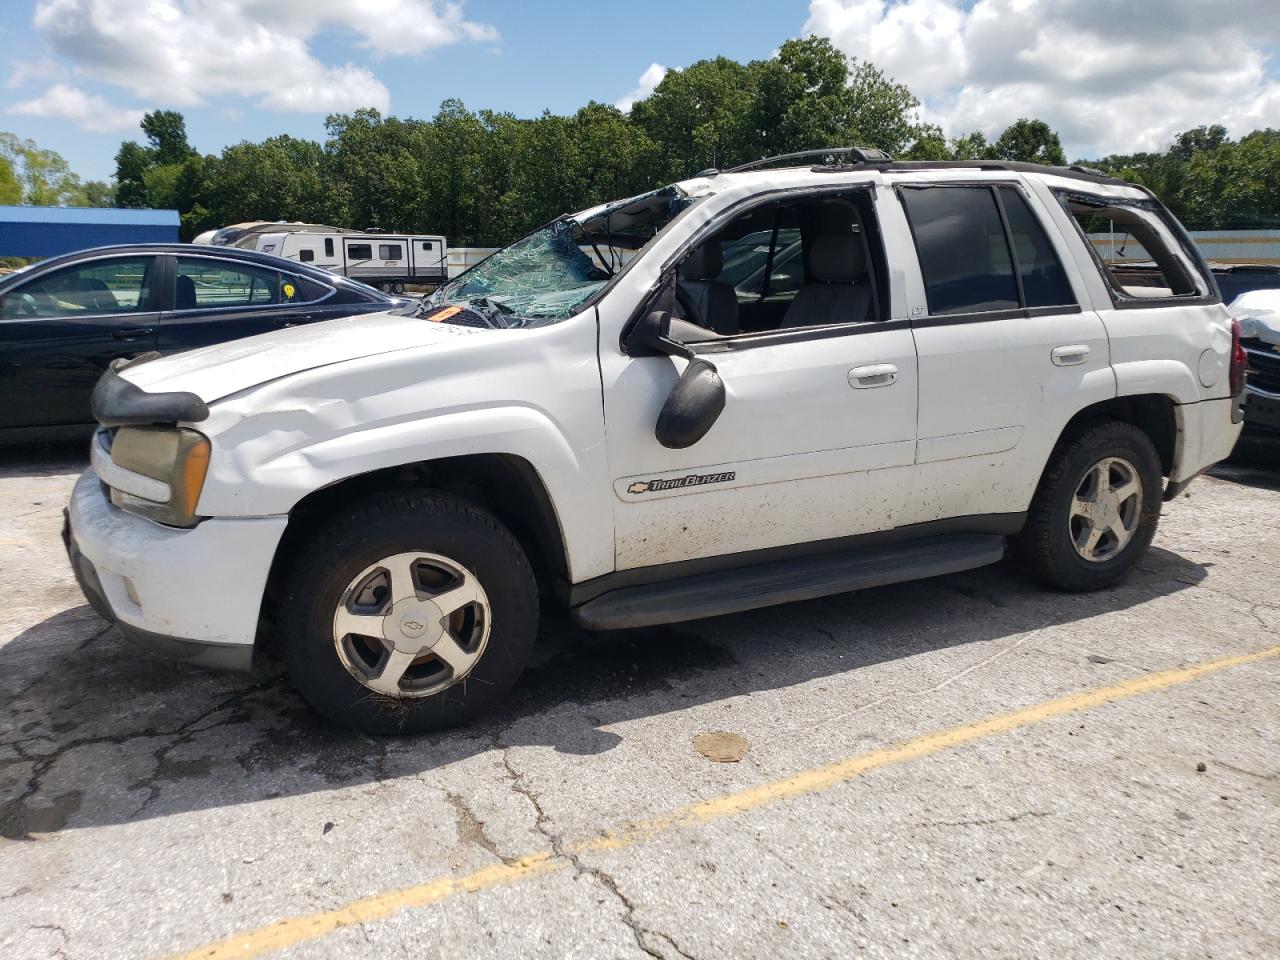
pixel 1239 359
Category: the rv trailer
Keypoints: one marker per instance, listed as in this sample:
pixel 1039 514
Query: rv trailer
pixel 384 260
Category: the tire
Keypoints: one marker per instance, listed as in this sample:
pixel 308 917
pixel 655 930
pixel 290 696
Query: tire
pixel 1057 536
pixel 343 577
pixel 397 288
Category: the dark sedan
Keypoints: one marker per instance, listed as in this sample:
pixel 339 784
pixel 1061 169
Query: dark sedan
pixel 64 319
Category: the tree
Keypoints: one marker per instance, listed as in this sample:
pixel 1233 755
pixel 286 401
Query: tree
pixel 974 146
pixel 10 185
pixel 1032 141
pixel 43 177
pixel 145 176
pixel 166 131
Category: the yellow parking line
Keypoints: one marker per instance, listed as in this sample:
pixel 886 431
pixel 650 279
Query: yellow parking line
pixel 294 930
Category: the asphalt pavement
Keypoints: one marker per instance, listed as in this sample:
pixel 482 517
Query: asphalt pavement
pixel 963 767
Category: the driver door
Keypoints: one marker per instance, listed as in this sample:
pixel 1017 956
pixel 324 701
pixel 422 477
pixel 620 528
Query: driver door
pixel 816 440
pixel 60 329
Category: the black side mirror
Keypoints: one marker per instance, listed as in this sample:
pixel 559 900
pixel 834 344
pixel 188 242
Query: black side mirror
pixel 692 407
pixel 697 399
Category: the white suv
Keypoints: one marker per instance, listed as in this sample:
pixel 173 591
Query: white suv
pixel 903 365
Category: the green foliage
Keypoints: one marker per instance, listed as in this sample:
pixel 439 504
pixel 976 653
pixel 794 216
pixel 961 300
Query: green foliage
pixel 39 177
pixel 1031 141
pixel 1209 181
pixel 10 185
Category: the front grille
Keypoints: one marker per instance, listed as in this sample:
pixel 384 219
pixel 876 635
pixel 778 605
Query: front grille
pixel 1264 366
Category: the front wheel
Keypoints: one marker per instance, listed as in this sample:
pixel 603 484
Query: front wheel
pixel 409 612
pixel 1096 509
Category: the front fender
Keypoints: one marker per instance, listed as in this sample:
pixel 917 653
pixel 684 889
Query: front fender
pixel 536 398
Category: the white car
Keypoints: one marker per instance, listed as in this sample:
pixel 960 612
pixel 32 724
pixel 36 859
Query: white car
pixel 592 418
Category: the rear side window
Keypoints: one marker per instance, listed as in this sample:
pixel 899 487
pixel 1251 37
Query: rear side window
pixel 1044 282
pixel 1144 259
pixel 964 254
pixel 390 251
pixel 983 250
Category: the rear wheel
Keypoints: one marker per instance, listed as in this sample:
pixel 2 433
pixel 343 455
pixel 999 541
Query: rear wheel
pixel 1096 509
pixel 410 612
pixel 397 288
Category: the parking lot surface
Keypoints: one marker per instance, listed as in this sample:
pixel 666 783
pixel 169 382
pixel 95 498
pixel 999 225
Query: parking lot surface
pixel 962 767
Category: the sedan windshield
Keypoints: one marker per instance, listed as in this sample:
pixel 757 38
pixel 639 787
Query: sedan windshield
pixel 549 274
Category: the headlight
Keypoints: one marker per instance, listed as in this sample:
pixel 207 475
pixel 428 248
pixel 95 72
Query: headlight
pixel 174 459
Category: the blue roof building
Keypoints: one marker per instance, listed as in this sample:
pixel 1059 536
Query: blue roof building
pixel 49 231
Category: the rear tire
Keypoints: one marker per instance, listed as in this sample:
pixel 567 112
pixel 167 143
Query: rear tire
pixel 462 628
pixel 1096 509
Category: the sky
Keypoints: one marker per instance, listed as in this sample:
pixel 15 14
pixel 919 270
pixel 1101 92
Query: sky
pixel 1112 76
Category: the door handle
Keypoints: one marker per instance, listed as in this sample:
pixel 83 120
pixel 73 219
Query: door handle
pixel 129 334
pixel 873 375
pixel 1071 355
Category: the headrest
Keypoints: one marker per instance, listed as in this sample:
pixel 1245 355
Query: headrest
pixel 703 262
pixel 836 258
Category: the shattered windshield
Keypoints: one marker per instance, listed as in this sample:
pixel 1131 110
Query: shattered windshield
pixel 547 275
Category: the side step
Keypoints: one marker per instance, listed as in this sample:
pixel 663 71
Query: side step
pixel 785 581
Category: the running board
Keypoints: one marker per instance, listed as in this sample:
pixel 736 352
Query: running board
pixel 785 581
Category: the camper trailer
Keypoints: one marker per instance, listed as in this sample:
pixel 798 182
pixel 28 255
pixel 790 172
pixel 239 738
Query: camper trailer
pixel 384 260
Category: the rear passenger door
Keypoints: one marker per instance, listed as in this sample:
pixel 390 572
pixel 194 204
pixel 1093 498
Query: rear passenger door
pixel 1006 353
pixel 215 300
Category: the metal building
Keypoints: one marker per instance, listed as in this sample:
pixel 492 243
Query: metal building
pixel 48 231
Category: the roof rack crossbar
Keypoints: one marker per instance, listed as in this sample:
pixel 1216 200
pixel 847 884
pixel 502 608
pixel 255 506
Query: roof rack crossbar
pixel 867 155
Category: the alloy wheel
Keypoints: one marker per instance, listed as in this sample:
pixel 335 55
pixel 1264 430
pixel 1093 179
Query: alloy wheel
pixel 1105 509
pixel 411 625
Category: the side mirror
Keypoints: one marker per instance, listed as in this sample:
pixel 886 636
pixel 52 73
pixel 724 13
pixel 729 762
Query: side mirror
pixel 697 399
pixel 692 407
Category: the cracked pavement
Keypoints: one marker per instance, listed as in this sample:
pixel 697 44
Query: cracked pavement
pixel 148 808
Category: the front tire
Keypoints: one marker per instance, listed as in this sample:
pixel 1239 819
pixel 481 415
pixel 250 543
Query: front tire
pixel 1095 511
pixel 408 612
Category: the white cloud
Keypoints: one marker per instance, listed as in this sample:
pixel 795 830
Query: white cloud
pixel 185 52
pixel 87 111
pixel 1110 78
pixel 25 71
pixel 649 81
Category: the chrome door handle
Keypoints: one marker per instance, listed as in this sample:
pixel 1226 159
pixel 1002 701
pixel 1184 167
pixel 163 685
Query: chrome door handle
pixel 873 375
pixel 1069 356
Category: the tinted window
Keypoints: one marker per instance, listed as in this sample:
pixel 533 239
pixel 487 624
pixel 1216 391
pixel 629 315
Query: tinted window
pixel 427 245
pixel 310 290
pixel 390 251
pixel 306 256
pixel 1044 282
pixel 91 289
pixel 328 246
pixel 209 283
pixel 964 255
pixel 360 251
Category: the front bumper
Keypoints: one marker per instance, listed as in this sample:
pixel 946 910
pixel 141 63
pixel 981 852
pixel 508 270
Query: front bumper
pixel 191 595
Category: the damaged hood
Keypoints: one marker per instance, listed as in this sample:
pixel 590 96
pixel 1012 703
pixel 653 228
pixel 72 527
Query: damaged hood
pixel 218 371
pixel 1259 314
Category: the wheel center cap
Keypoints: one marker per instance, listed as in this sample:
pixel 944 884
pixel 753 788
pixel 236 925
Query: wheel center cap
pixel 413 626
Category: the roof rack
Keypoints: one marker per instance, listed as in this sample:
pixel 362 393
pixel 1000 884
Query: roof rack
pixel 870 157
pixel 862 155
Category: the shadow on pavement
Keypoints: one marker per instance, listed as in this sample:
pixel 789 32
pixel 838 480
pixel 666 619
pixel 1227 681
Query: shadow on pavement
pixel 96 733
